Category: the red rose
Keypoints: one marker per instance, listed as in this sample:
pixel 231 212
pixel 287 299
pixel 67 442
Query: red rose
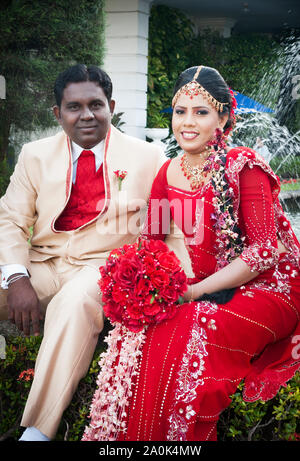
pixel 149 263
pixel 169 294
pixel 128 272
pixel 168 261
pixel 180 281
pixel 119 296
pixel 165 314
pixel 105 283
pixel 159 278
pixel 148 299
pixel 142 287
pixel 113 311
pixel 155 246
pixel 134 325
pixel 129 250
pixel 151 309
pixel 135 311
pixel 109 268
pixel 115 253
pixel 103 272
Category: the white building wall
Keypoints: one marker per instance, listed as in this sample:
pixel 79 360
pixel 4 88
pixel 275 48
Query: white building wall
pixel 126 60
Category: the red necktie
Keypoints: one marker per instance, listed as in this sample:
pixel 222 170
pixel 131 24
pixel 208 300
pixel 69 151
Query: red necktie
pixel 85 168
pixel 81 206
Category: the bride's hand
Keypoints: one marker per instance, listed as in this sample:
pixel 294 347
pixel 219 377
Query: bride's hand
pixel 188 295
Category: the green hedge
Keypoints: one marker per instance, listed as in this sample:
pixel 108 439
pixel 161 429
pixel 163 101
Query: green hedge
pixel 273 420
pixel 286 167
pixel 243 59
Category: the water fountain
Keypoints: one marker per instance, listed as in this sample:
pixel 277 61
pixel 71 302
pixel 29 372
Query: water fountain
pixel 278 89
pixel 284 149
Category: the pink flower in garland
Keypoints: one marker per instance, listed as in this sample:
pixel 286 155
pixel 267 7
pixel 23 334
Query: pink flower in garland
pixel 121 175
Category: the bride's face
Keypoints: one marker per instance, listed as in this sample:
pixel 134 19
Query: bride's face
pixel 194 123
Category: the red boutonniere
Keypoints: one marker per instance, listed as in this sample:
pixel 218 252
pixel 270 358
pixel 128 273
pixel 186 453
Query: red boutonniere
pixel 120 174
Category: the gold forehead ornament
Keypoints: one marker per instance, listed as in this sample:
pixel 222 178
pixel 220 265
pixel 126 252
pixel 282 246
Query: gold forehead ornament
pixel 193 88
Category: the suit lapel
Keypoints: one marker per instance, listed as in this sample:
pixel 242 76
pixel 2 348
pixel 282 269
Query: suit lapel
pixel 64 152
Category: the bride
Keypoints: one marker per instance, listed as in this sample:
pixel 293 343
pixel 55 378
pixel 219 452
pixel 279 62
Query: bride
pixel 241 309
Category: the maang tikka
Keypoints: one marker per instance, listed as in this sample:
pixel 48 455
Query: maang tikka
pixel 193 88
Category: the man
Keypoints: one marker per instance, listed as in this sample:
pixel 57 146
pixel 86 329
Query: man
pixel 66 188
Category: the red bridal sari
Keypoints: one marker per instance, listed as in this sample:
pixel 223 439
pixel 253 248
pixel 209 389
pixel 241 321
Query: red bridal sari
pixel 192 363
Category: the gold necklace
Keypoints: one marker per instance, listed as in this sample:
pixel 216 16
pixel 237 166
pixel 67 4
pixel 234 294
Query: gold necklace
pixel 195 174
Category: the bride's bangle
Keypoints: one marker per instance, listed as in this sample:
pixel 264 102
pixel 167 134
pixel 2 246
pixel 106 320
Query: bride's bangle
pixel 192 295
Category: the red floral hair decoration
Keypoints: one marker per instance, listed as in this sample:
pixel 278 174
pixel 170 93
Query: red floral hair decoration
pixel 219 140
pixel 232 113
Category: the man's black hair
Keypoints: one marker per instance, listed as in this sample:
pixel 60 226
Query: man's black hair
pixel 82 73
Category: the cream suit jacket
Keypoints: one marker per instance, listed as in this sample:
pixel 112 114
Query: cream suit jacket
pixel 39 191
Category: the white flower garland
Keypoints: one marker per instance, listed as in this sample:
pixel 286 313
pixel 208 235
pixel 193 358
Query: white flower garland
pixel 108 411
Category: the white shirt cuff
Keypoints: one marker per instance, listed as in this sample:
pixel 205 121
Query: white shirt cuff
pixel 10 269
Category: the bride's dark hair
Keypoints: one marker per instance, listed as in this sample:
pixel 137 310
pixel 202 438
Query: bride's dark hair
pixel 213 82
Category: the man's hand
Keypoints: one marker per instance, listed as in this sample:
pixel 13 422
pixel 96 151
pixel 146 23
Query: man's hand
pixel 24 306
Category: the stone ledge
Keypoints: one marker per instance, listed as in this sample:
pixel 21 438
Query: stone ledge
pixel 287 194
pixel 8 329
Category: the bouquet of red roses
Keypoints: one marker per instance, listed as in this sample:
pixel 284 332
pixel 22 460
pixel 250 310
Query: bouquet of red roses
pixel 142 284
